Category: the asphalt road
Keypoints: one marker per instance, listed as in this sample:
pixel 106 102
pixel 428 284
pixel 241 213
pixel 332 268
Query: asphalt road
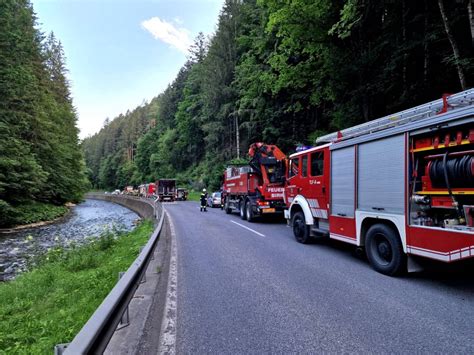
pixel 242 292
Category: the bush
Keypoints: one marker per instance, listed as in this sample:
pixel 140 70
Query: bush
pixel 30 212
pixel 7 214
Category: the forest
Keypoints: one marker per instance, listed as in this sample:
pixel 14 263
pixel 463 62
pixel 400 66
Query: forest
pixel 281 72
pixel 41 163
pixel 284 72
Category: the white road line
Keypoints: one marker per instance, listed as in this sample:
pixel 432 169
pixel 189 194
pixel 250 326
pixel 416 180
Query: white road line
pixel 169 323
pixel 250 229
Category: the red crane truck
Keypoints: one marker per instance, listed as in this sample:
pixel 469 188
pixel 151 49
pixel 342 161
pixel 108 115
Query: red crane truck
pixel 257 188
pixel 398 186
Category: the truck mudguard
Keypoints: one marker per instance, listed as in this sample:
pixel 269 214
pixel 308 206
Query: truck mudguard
pixel 303 203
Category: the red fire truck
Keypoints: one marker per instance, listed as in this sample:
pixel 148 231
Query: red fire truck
pixel 256 189
pixel 398 186
pixel 147 190
pixel 150 189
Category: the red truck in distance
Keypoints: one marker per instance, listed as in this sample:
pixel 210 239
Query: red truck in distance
pixel 150 189
pixel 256 189
pixel 147 190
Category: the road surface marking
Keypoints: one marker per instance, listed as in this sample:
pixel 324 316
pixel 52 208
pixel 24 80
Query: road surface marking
pixel 168 325
pixel 250 229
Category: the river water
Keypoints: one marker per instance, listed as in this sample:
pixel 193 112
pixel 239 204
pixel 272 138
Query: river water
pixel 86 220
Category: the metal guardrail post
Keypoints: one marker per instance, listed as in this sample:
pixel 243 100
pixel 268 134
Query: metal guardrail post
pixel 125 319
pixel 143 280
pixel 60 348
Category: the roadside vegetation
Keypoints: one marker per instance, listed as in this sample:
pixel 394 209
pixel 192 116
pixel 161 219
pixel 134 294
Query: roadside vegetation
pixel 49 304
pixel 40 157
pixel 285 72
pixel 194 196
pixel 33 212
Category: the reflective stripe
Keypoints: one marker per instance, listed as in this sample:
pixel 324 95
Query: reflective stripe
pixel 343 238
pixel 319 213
pixel 313 202
pixel 443 256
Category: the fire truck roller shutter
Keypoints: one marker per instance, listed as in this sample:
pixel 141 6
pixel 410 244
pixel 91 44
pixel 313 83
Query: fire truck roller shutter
pixel 343 182
pixel 381 175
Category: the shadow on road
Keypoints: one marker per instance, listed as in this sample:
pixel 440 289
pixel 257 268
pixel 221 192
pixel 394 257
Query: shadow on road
pixel 457 275
pixel 271 220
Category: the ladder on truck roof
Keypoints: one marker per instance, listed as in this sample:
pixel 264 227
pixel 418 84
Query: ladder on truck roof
pixel 429 109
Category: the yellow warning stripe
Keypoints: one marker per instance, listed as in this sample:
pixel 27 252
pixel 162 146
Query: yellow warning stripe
pixel 445 193
pixel 451 144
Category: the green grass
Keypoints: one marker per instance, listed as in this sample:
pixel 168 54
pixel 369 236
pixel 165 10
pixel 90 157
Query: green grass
pixel 194 196
pixel 51 303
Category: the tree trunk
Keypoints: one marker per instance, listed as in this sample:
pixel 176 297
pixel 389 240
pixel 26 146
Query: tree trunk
pixel 404 40
pixel 365 108
pixel 452 40
pixel 470 10
pixel 237 134
pixel 426 51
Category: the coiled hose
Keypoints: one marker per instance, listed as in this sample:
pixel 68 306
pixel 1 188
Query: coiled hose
pixel 452 173
pixel 459 172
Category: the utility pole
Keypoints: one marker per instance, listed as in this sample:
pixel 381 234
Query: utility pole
pixel 237 135
pixel 470 6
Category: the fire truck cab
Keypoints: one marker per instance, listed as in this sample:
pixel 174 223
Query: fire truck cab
pixel 307 192
pixel 397 186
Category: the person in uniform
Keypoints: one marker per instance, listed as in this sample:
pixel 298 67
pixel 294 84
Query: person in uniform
pixel 203 200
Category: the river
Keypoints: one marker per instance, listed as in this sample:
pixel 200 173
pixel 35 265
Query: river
pixel 86 220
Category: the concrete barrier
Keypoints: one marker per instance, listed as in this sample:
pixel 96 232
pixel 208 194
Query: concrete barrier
pixel 143 207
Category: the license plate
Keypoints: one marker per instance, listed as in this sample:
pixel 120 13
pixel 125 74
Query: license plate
pixel 268 210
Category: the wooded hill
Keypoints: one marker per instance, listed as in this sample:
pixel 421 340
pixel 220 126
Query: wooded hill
pixel 283 72
pixel 40 158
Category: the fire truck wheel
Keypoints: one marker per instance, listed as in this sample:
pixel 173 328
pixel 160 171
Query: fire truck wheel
pixel 242 210
pixel 300 229
pixel 227 208
pixel 249 212
pixel 384 250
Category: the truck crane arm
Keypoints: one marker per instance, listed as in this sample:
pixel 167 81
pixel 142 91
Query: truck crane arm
pixel 268 161
pixel 262 150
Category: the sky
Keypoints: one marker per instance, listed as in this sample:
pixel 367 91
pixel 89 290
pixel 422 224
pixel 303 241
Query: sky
pixel 122 52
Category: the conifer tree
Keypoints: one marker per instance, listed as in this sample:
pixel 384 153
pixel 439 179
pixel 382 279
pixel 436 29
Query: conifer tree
pixel 40 158
pixel 21 175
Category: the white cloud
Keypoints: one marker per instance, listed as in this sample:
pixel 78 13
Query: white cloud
pixel 177 37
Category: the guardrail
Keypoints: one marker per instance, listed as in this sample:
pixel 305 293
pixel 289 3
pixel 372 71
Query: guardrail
pixel 97 332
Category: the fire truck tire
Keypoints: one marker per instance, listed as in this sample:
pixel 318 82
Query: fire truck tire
pixel 384 250
pixel 300 229
pixel 227 208
pixel 243 215
pixel 249 211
